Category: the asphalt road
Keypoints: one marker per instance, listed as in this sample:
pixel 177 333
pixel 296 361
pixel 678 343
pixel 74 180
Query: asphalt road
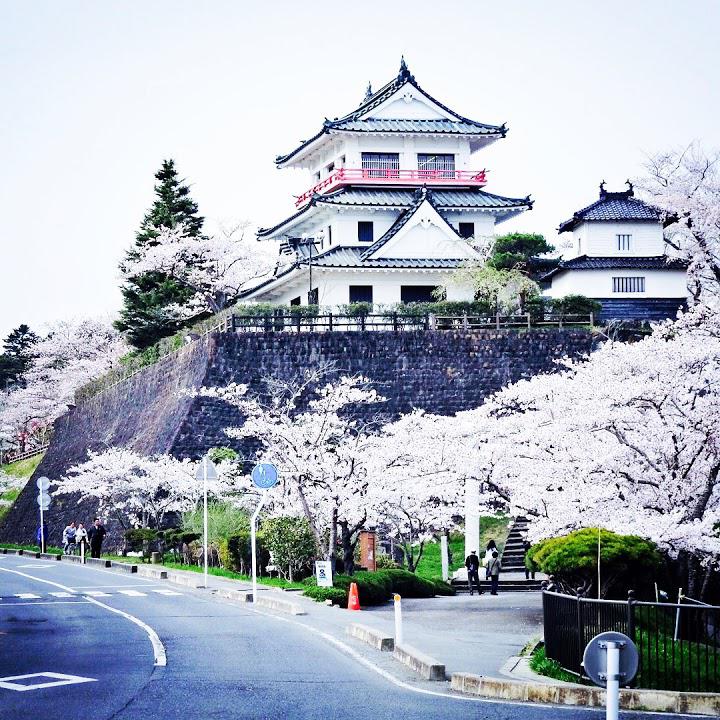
pixel 223 660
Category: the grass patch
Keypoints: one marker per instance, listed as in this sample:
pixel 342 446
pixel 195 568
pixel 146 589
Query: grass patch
pixel 541 664
pixel 492 527
pixel 32 548
pixel 23 468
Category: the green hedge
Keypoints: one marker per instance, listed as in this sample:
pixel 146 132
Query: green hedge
pixel 376 588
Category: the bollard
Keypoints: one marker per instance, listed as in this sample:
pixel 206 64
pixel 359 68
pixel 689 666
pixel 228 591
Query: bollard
pixel 444 557
pixel 398 620
pixel 613 681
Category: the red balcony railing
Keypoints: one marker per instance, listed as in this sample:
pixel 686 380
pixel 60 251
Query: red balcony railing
pixel 392 176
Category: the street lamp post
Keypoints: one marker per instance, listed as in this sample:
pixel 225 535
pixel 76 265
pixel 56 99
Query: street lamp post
pixel 309 242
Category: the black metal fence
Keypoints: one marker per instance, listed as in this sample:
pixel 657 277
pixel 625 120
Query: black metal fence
pixel 679 644
pixel 396 322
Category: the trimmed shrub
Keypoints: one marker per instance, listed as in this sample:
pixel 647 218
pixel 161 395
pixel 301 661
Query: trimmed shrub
pixel 321 594
pixel 576 305
pixel 627 562
pixel 385 562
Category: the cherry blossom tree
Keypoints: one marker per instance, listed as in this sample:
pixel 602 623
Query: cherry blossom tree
pixel 71 354
pixel 213 267
pixel 627 440
pixel 309 428
pixel 135 489
pixel 685 184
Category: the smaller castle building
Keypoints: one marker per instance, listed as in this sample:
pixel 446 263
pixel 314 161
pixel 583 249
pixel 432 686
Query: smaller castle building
pixel 619 258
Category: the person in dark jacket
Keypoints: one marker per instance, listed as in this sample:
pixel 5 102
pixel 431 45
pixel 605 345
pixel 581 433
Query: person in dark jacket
pixel 96 534
pixel 528 570
pixel 493 571
pixel 472 563
pixel 42 537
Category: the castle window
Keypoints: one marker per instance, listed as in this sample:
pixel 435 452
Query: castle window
pixel 417 293
pixel 365 231
pixel 361 293
pixel 467 230
pixel 329 235
pixel 436 165
pixel 295 301
pixel 381 165
pixel 624 243
pixel 314 297
pixel 628 284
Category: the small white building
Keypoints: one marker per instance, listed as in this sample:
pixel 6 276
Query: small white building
pixel 396 195
pixel 619 258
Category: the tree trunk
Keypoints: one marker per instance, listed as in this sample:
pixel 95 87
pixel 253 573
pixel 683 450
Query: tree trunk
pixel 332 540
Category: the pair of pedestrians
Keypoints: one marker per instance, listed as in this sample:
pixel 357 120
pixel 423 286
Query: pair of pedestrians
pixel 492 569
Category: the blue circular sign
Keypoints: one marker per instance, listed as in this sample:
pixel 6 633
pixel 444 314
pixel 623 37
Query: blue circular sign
pixel 264 476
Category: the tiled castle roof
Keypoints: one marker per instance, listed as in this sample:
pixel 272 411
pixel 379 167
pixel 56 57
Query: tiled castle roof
pixel 355 121
pixel 585 262
pixel 403 198
pixel 613 206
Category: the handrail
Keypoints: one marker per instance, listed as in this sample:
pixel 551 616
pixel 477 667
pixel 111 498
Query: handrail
pixel 384 174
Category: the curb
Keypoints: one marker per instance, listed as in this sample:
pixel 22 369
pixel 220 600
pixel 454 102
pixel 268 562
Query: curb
pixel 278 604
pixel 567 694
pixel 370 636
pixel 424 665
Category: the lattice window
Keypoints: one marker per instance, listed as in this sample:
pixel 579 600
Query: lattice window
pixel 628 284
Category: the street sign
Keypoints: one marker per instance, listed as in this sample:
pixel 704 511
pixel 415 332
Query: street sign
pixel 264 476
pixel 43 500
pixel 42 483
pixel 595 658
pixel 323 573
pixel 206 466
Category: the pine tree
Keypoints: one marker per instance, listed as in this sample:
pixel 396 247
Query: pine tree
pixel 144 319
pixel 17 356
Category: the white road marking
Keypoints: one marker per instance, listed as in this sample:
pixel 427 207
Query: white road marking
pixel 124 585
pixel 166 592
pixel 62 594
pixel 27 596
pixel 55 680
pixel 132 593
pixel 50 602
pixel 158 647
pixel 38 567
pixel 96 593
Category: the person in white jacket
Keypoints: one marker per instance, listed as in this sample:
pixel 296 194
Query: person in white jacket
pixel 81 538
pixel 68 538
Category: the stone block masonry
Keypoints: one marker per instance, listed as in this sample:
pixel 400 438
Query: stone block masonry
pixel 152 412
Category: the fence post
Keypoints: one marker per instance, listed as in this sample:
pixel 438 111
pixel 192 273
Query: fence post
pixel 330 327
pixel 560 321
pixel 427 321
pixel 363 318
pixel 631 614
pixel 465 321
pixel 592 320
pixel 528 319
pixel 497 321
pixel 232 322
pixel 581 632
pixel 395 322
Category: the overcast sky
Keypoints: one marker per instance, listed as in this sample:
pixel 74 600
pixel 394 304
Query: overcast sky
pixel 93 95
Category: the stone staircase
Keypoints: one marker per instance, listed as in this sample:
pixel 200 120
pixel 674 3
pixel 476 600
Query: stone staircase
pixel 512 576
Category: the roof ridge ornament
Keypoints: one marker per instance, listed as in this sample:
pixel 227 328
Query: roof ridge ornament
pixel 404 73
pixel 631 188
pixel 603 192
pixel 368 92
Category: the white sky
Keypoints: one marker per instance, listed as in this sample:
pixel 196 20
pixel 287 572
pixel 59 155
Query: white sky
pixel 93 95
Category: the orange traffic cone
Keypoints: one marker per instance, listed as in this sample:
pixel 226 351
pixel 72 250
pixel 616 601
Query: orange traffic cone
pixel 353 599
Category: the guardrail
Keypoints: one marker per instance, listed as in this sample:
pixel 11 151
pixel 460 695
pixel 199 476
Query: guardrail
pixel 397 322
pixel 679 644
pixel 11 457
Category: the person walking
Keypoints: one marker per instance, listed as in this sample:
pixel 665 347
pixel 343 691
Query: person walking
pixel 489 550
pixel 96 534
pixel 42 537
pixel 68 538
pixel 472 563
pixel 528 571
pixel 493 571
pixel 81 537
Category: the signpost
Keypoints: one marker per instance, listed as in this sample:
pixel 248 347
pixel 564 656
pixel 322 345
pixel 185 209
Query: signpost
pixel 609 658
pixel 43 500
pixel 264 476
pixel 206 471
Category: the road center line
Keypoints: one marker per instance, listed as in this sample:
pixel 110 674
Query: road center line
pixel 158 647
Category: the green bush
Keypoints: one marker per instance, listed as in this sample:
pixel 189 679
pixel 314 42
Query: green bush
pixel 292 544
pixel 575 305
pixel 627 562
pixel 358 309
pixel 321 594
pixel 376 588
pixel 385 562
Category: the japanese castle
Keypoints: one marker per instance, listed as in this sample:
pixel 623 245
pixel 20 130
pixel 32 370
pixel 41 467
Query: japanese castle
pixel 396 199
pixel 618 258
